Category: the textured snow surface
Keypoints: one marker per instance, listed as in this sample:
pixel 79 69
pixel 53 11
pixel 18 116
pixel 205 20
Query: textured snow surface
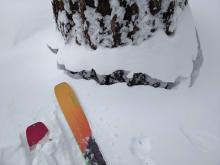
pixel 161 57
pixel 141 148
pixel 55 149
pixel 180 126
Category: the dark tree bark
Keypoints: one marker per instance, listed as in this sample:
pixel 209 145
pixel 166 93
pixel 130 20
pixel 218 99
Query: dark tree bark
pixel 113 23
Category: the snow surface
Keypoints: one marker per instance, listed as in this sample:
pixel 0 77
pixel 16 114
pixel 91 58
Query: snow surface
pixel 161 57
pixel 56 148
pixel 180 126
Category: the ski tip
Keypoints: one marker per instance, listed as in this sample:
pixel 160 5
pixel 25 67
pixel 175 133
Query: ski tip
pixel 62 89
pixel 61 85
pixel 35 133
pixel 73 114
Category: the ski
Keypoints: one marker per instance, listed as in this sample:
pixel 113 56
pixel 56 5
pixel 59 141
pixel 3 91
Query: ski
pixel 78 124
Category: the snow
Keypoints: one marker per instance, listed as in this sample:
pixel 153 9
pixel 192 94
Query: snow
pixel 161 57
pixel 101 36
pixel 203 141
pixel 54 149
pixel 197 62
pixel 180 126
pixel 141 147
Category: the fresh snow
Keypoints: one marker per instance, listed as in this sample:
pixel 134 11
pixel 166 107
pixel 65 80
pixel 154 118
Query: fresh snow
pixel 161 57
pixel 180 126
pixel 56 148
pixel 141 148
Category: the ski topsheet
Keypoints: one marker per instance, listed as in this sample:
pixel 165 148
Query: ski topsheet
pixel 78 124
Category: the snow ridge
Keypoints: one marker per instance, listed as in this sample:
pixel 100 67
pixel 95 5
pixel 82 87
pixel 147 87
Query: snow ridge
pixel 197 63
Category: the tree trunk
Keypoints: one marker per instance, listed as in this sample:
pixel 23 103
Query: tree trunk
pixel 113 23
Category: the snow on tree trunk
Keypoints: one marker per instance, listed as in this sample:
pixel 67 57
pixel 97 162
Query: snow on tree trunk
pixel 113 23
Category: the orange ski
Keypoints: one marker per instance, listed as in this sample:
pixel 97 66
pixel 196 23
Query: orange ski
pixel 78 123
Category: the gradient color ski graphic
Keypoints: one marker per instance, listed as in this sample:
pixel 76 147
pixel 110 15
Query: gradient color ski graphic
pixel 78 124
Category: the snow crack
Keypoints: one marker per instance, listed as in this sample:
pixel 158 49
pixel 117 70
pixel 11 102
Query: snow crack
pixel 120 76
pixel 197 62
pixel 53 50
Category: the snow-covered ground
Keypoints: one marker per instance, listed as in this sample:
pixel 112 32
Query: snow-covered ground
pixel 138 125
